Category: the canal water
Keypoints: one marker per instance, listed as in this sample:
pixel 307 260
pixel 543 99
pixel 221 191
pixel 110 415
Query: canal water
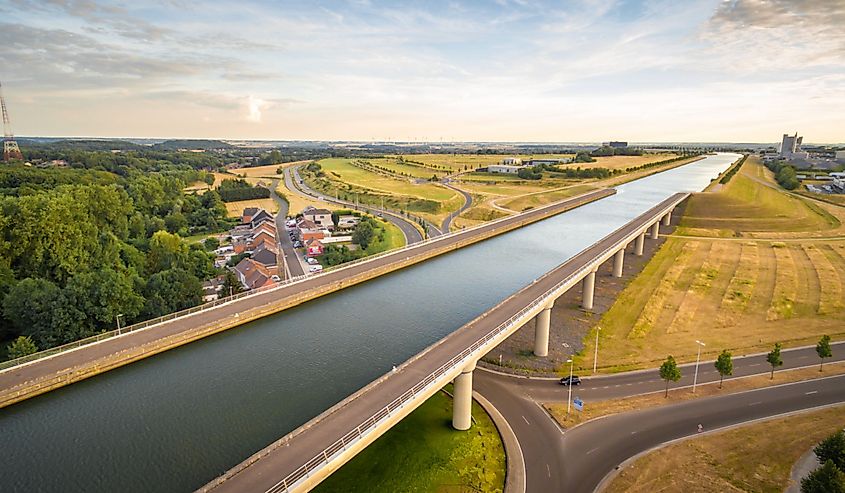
pixel 175 421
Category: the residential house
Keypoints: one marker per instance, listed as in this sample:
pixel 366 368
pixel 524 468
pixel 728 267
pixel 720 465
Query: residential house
pixel 320 217
pixel 211 289
pixel 347 221
pixel 260 217
pixel 249 213
pixel 262 237
pixel 314 248
pixel 265 257
pixel 253 275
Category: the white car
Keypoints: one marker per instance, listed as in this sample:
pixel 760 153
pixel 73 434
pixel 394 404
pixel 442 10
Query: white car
pixel 312 261
pixel 316 268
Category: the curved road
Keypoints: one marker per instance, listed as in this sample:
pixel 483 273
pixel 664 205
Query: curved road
pixel 576 460
pixel 447 223
pixel 295 184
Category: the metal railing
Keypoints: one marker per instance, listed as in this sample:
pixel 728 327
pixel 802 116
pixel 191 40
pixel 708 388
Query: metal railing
pixel 6 365
pixel 341 444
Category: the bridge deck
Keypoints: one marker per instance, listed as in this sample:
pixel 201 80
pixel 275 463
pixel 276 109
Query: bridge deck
pixel 306 445
pixel 25 381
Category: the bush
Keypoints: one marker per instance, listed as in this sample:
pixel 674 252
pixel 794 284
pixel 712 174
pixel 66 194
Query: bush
pixel 236 190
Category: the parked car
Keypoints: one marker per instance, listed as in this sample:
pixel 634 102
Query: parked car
pixel 316 268
pixel 576 380
pixel 312 261
pixel 297 244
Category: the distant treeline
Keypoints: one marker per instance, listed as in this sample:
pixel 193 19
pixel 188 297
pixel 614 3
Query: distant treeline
pixel 733 170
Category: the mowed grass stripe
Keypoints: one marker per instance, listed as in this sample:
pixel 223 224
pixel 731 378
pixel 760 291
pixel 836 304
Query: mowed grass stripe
pixel 783 299
pixel 809 289
pixel 764 290
pixel 691 292
pixel 830 280
pixel 838 263
pixel 741 286
pixel 675 298
pixel 651 310
pixel 729 263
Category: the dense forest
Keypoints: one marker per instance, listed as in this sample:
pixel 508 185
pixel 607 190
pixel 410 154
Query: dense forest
pixel 98 237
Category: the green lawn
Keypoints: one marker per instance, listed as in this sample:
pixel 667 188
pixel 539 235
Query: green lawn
pixel 393 238
pixel 338 169
pixel 397 166
pixel 423 453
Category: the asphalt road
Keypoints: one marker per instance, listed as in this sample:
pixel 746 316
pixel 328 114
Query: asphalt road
pixel 293 267
pixel 69 363
pixel 294 182
pixel 577 460
pixel 447 223
pixel 288 454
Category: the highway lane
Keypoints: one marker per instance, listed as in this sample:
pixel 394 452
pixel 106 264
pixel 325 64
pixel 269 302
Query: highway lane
pixel 548 455
pixel 597 448
pixel 642 382
pixel 295 182
pixel 447 223
pixel 292 265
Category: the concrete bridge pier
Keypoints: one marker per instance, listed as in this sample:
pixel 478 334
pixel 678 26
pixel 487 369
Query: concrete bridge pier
pixel 667 218
pixel 542 323
pixel 462 399
pixel 618 262
pixel 638 246
pixel 655 230
pixel 588 288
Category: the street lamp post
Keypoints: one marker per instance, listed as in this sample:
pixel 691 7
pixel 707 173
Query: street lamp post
pixel 596 355
pixel 697 359
pixel 117 318
pixel 569 400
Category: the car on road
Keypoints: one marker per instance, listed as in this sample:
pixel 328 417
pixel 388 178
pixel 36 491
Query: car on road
pixel 575 380
pixel 316 268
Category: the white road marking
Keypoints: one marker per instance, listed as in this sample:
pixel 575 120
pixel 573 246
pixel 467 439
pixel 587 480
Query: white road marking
pixel 592 450
pixel 755 403
pixel 526 421
pixel 756 364
pixel 549 470
pixel 811 392
pixel 633 432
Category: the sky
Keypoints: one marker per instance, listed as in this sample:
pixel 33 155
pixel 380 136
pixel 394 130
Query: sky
pixel 505 70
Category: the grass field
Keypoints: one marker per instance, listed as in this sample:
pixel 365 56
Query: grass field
pixel 424 454
pixel 742 294
pixel 756 457
pixel 404 169
pixel 429 200
pixel 533 200
pixel 297 202
pixel 461 162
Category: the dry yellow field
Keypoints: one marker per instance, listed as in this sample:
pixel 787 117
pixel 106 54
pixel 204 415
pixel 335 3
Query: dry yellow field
pixel 622 162
pixel 235 209
pixel 533 200
pixel 297 202
pixel 756 457
pixel 741 294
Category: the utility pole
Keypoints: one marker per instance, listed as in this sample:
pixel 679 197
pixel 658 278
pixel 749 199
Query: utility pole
pixel 117 318
pixel 596 355
pixel 569 400
pixel 697 359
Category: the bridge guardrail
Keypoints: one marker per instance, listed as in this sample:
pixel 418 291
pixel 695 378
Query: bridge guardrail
pixel 9 364
pixel 364 427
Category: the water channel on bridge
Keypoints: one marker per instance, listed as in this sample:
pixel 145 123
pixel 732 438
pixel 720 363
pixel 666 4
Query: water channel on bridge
pixel 177 420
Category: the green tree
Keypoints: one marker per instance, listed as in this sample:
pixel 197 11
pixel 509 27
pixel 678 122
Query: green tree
pixel 826 479
pixel 724 365
pixel 823 350
pixel 774 358
pixel 29 307
pixel 211 243
pixel 175 222
pixel 20 347
pixel 171 290
pixel 104 294
pixel 208 178
pixel 166 251
pixel 832 449
pixel 231 284
pixel 669 371
pixel 364 233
